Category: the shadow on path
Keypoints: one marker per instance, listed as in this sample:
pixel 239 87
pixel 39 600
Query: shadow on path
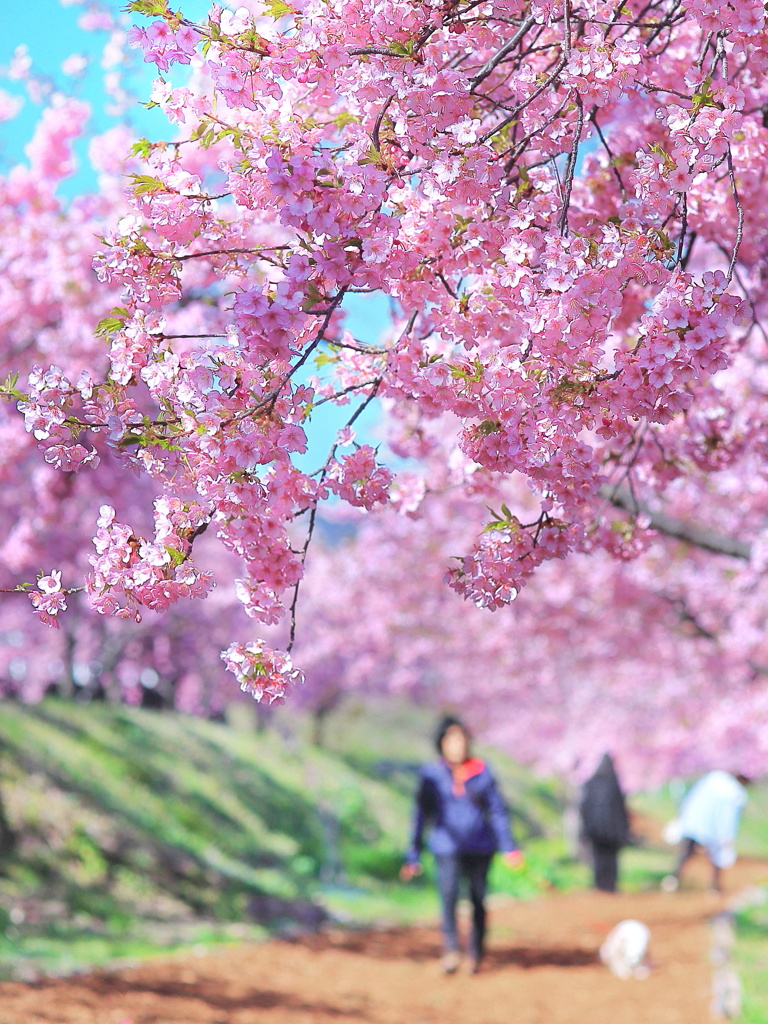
pixel 527 957
pixel 90 990
pixel 417 947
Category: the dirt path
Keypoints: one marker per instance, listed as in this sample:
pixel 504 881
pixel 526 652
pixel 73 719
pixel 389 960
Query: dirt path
pixel 541 968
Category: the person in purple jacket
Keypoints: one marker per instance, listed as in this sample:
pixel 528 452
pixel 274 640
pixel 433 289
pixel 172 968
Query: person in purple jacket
pixel 459 798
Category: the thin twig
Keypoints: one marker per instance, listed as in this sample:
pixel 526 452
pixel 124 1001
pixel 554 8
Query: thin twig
pixel 378 51
pixel 683 229
pixel 567 28
pixel 335 303
pixel 522 145
pixel 366 350
pixel 313 515
pixel 30 590
pixel 324 471
pixel 740 215
pixel 447 287
pixel 521 106
pixel 689 251
pixel 491 64
pixel 704 49
pixel 345 391
pixel 378 122
pixel 221 252
pixel 611 157
pixel 570 168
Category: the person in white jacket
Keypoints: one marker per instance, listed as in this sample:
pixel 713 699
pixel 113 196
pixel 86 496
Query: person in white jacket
pixel 709 818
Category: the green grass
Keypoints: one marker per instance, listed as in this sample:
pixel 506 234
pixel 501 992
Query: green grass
pixel 141 832
pixel 60 949
pixel 751 962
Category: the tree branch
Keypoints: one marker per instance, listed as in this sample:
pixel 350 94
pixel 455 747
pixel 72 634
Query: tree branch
pixel 708 540
pixel 740 215
pixel 499 56
pixel 570 169
pixel 526 102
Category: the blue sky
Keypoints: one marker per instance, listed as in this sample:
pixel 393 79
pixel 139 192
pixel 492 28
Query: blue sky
pixel 50 31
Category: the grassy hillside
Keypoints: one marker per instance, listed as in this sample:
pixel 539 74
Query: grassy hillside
pixel 136 830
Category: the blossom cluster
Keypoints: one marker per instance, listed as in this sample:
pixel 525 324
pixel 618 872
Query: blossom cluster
pixel 563 206
pixel 264 674
pixel 130 572
pixel 49 599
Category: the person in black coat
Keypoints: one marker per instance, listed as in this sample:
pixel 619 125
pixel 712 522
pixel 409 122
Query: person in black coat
pixel 604 823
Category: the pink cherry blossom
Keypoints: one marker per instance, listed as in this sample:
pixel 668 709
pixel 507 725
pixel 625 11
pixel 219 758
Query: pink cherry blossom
pixel 564 214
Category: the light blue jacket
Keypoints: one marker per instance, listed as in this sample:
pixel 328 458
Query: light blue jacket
pixel 710 815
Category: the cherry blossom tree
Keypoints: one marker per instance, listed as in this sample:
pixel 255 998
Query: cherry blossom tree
pixel 50 303
pixel 633 656
pixel 563 202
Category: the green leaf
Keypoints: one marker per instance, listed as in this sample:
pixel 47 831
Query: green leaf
pixel 324 358
pixel 373 156
pixel 112 323
pixel 663 238
pixel 151 8
pixel 703 97
pixel 473 373
pixel 506 521
pixel 623 528
pixel 177 557
pixel 278 9
pixel 208 138
pixel 312 298
pixel 8 388
pixel 166 444
pixel 130 439
pixel 145 184
pixel 497 524
pixel 403 49
pixel 141 148
pixel 344 118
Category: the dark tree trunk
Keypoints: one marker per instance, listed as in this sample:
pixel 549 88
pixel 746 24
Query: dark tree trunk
pixel 319 717
pixel 67 681
pixel 7 835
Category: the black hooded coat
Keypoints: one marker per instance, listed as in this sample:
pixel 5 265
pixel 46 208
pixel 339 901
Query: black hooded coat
pixel 604 818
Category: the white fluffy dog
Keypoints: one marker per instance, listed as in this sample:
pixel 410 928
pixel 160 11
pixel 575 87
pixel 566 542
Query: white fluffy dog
pixel 625 951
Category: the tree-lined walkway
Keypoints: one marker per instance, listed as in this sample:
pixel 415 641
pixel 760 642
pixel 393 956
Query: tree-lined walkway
pixel 542 968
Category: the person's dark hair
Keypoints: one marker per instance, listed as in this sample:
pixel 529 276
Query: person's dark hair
pixel 447 722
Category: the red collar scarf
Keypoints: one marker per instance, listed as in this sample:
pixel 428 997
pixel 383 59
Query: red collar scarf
pixel 461 775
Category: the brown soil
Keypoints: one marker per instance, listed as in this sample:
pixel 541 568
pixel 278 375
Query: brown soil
pixel 542 968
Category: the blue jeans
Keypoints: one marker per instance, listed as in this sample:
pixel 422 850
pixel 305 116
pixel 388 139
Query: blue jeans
pixel 450 870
